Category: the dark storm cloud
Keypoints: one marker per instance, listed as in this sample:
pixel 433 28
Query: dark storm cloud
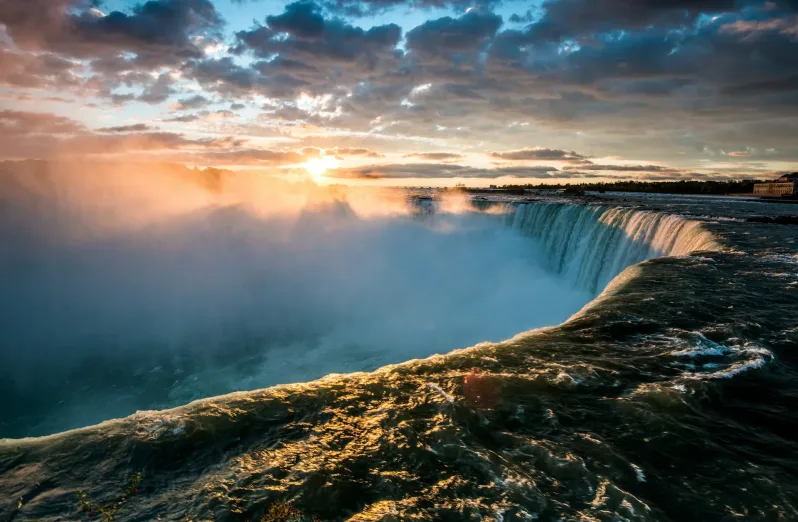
pixel 157 31
pixel 539 154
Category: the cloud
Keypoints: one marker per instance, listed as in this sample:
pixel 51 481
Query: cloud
pixel 138 127
pixel 250 157
pixel 25 70
pixel 41 135
pixel 685 175
pixel 645 81
pixel 438 156
pixel 25 123
pixel 300 51
pixel 357 8
pixel 157 31
pixel 454 38
pixel 563 19
pixel 539 154
pixel 186 118
pixel 526 17
pixel 301 19
pixel 439 170
pixel 225 77
pixel 68 45
pixel 193 102
pixel 785 84
pixel 159 91
pixel 218 115
pixel 622 81
pixel 354 151
pixel 753 28
pixel 623 168
pixel 311 38
pixel 147 141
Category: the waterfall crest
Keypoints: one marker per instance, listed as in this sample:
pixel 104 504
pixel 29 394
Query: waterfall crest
pixel 592 244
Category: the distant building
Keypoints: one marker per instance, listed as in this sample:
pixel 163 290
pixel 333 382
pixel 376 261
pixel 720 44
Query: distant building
pixel 785 186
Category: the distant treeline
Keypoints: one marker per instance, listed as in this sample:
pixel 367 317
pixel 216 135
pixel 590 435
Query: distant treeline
pixel 662 187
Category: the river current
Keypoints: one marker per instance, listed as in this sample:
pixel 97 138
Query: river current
pixel 671 395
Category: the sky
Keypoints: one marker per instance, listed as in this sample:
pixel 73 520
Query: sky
pixel 407 92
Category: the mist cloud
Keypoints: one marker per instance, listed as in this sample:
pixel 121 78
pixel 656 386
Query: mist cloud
pixel 144 270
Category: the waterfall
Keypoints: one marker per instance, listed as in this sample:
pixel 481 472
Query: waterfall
pixel 592 244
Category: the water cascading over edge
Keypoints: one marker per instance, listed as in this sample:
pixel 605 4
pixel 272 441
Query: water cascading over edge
pixel 592 244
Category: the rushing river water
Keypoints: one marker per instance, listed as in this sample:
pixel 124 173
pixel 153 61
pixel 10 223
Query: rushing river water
pixel 673 395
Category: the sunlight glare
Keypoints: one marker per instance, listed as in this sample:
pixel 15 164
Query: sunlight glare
pixel 317 167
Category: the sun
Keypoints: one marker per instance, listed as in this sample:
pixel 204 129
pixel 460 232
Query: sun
pixel 317 167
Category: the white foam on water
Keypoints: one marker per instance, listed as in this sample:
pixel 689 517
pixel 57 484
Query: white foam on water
pixel 591 245
pixel 641 477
